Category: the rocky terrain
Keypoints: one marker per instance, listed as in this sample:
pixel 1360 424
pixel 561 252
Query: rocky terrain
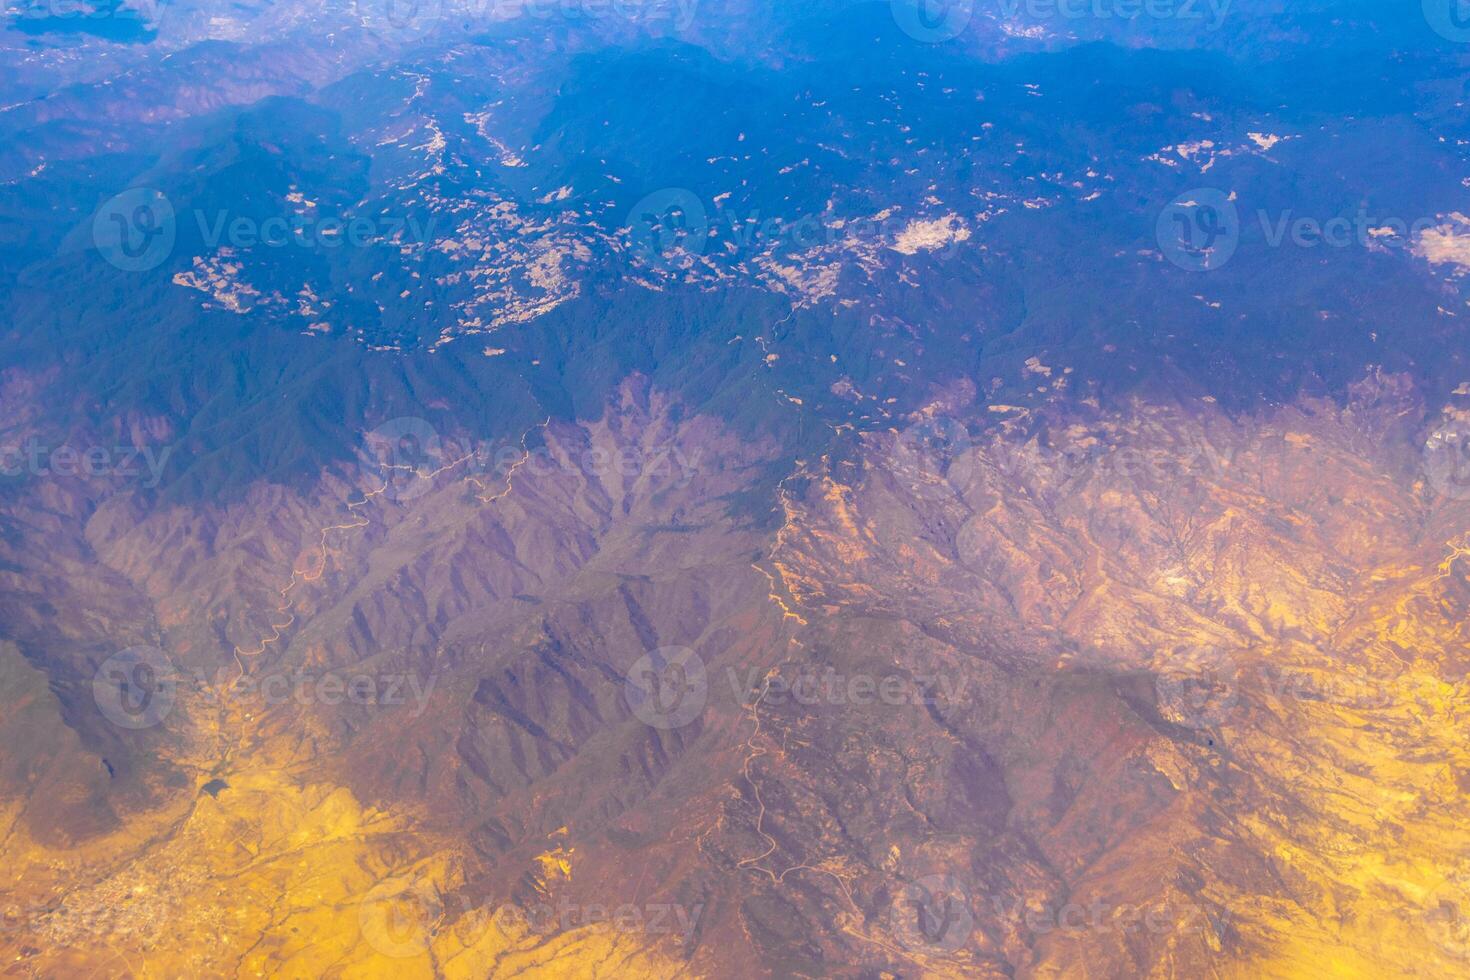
pixel 493 491
pixel 1172 692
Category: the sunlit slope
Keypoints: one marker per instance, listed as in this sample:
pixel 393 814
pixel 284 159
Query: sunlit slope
pixel 1161 692
pixel 1222 663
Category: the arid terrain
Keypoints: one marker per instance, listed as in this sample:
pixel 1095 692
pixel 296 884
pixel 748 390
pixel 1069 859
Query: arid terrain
pixel 1143 692
pixel 655 489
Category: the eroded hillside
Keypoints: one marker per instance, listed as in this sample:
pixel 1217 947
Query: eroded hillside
pixel 1164 692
